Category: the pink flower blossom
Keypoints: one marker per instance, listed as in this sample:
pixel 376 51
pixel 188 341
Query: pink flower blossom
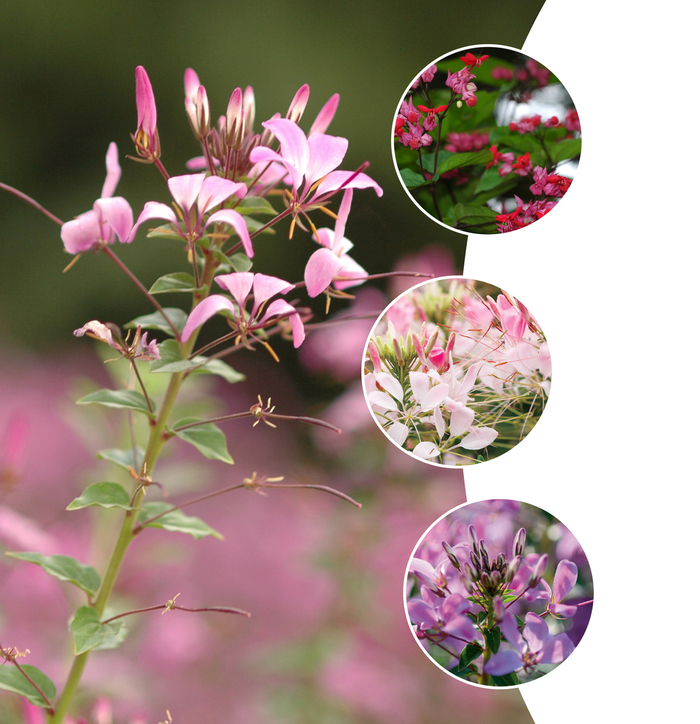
pixel 502 73
pixel 539 175
pixel 197 195
pixel 310 163
pixel 240 284
pixel 331 264
pixel 526 125
pixel 460 83
pixel 463 142
pixel 572 121
pixel 109 216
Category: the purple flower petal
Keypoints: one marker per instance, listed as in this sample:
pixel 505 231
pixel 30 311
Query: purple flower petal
pixel 557 649
pixel 421 612
pixel 504 662
pixel 564 580
pixel 536 632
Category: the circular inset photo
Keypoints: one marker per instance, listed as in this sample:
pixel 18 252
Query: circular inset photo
pixel 456 371
pixel 486 140
pixel 498 593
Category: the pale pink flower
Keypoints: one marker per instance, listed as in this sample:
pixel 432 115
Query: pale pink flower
pixel 109 217
pixel 331 264
pixel 197 195
pixel 310 164
pixel 240 284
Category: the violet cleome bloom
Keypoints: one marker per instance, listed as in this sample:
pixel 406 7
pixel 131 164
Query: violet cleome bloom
pixel 109 217
pixel 534 646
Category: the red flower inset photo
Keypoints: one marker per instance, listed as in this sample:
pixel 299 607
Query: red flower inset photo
pixel 486 140
pixel 498 593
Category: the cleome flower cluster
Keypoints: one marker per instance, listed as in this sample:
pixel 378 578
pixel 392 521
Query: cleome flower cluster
pixel 454 376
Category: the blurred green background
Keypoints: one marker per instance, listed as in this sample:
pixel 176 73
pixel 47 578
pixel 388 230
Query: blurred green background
pixel 67 90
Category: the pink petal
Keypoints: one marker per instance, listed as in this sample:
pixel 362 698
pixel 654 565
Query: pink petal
pixel 390 384
pixel 238 284
pixel 185 189
pixel 233 218
pixel 99 331
pixel 561 609
pixel 479 438
pixel 325 154
pixel 152 210
pixel 544 361
pixel 118 214
pixel 425 450
pixel 398 432
pixel 298 333
pixel 265 287
pixel 81 233
pixel 325 115
pixel 114 171
pixel 421 612
pixel 298 104
pixel 191 84
pixel 435 396
pixel 381 400
pixel 206 310
pixel 461 420
pixel 145 102
pixel 215 190
pixel 420 384
pixel 320 270
pixel 345 180
pixel 352 272
pixel 509 628
pixel 294 148
pixel 343 213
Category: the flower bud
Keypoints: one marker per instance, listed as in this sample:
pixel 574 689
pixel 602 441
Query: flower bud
pixel 419 349
pixel 500 562
pixel 429 584
pixel 146 138
pixel 453 558
pixel 499 610
pixel 234 120
pixel 397 351
pixel 512 569
pixel 473 540
pixel 298 104
pixel 495 579
pixel 432 340
pixel 540 568
pixel 519 542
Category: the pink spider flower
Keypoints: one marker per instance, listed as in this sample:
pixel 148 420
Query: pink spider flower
pixel 239 285
pixel 110 216
pixel 311 165
pixel 197 195
pixel 331 264
pixel 460 83
pixel 146 137
pixel 534 646
pixel 429 122
pixel 139 348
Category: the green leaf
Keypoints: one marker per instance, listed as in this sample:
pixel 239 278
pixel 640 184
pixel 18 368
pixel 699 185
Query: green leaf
pixel 220 368
pixel 411 179
pixel 207 438
pixel 127 399
pixel 474 215
pixel 523 144
pixel 460 160
pixel 87 630
pixel 177 282
pixel 176 521
pixel 157 321
pixel 240 262
pixel 113 641
pixel 506 680
pixel 493 638
pixel 64 568
pixel 106 495
pixel 508 183
pixel 123 458
pixel 482 112
pixel 11 679
pixel 564 150
pixel 489 180
pixel 469 653
pixel 255 205
pixel 170 358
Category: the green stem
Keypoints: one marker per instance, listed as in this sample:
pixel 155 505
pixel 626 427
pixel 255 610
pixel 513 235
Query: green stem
pixel 156 441
pixel 484 677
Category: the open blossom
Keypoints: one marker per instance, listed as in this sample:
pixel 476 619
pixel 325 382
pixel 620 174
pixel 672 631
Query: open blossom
pixel 311 164
pixel 139 348
pixel 239 285
pixel 534 646
pixel 197 195
pixel 331 264
pixel 110 216
pixel 526 125
pixel 460 83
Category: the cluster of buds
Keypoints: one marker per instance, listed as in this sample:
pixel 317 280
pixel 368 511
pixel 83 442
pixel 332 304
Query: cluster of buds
pixel 394 351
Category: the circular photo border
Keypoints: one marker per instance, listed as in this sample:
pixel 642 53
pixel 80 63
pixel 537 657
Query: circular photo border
pixel 486 140
pixel 456 372
pixel 498 593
